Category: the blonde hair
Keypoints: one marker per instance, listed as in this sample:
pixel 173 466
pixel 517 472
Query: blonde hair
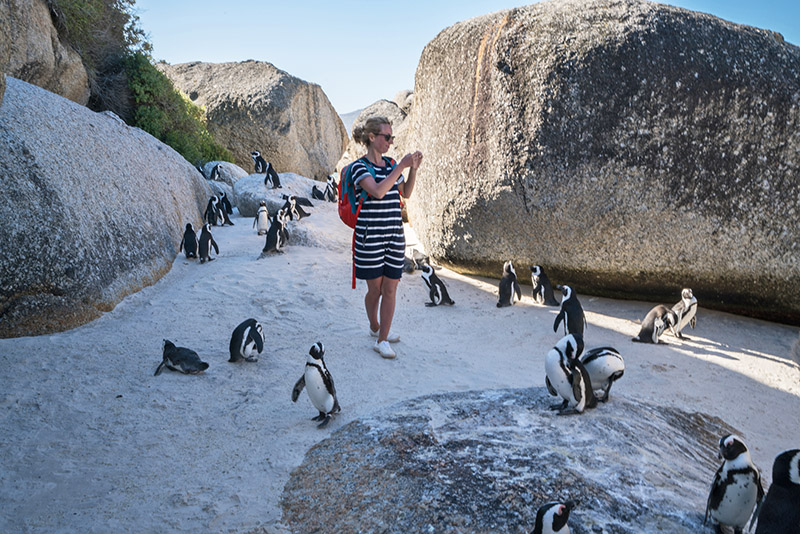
pixel 371 126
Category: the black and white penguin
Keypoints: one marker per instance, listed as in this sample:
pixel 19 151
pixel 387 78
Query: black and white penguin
pixel 509 290
pixel 180 359
pixel 319 385
pixel 571 313
pixel 566 377
pixel 226 207
pixel 552 518
pixel 206 242
pixel 685 311
pixel 331 189
pixel 216 170
pixel 317 194
pixel 189 242
pixel 655 322
pixel 780 511
pixel 213 213
pixel 277 234
pixel 258 161
pixel 605 366
pixel 247 340
pixel 436 288
pixel 542 290
pixel 292 206
pixel 736 489
pixel 261 220
pixel 272 176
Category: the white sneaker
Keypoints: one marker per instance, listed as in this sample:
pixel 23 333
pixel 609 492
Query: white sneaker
pixel 384 350
pixel 391 338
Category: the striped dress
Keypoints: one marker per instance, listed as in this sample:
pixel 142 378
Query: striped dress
pixel 380 242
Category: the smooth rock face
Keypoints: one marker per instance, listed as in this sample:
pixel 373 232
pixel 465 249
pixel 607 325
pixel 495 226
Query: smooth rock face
pixel 384 108
pixel 254 106
pixel 91 210
pixel 630 148
pixel 250 191
pixel 31 50
pixel 484 461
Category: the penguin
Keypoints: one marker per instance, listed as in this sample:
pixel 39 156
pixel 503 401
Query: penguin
pixel 552 518
pixel 319 385
pixel 542 290
pixel 262 218
pixel 258 161
pixel 409 266
pixel 437 290
pixel 654 324
pixel 277 234
pixel 316 194
pixel 247 340
pixel 780 511
pixel 605 366
pixel 565 376
pixel 509 287
pixel 736 489
pixel 272 176
pixel 284 217
pixel 226 207
pixel 571 313
pixel 293 208
pixel 206 242
pixel 216 170
pixel 213 213
pixel 419 258
pixel 685 311
pixel 331 189
pixel 180 359
pixel 189 242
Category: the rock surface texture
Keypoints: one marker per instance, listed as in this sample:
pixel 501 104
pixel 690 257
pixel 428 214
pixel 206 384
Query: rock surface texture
pixel 31 50
pixel 252 105
pixel 92 210
pixel 629 147
pixel 485 461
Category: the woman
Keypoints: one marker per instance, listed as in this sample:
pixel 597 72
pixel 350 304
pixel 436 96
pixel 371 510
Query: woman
pixel 379 238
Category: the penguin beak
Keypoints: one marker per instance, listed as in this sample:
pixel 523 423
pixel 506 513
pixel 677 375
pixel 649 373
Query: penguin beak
pixel 570 505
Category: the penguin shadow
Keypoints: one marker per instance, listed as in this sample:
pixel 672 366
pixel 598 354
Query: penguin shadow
pixel 715 349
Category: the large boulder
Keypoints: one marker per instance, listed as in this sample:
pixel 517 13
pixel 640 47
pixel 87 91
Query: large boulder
pixel 474 462
pixel 91 210
pixel 631 148
pixel 253 105
pixel 31 50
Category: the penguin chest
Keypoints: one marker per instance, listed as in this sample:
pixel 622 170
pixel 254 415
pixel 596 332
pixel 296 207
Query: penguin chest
pixel 320 397
pixel 559 376
pixel 738 500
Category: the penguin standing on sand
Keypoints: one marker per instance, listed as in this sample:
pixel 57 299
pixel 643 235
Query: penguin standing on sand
pixel 436 288
pixel 261 220
pixel 213 213
pixel 780 512
pixel 206 242
pixel 509 290
pixel 542 289
pixel 565 376
pixel 247 340
pixel 180 359
pixel 655 322
pixel 277 234
pixel 571 313
pixel 226 210
pixel 736 489
pixel 685 311
pixel 605 366
pixel 552 518
pixel 259 162
pixel 331 189
pixel 318 382
pixel 189 242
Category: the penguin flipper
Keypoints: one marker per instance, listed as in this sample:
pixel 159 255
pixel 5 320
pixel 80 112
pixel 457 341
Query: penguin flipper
pixel 550 388
pixel 160 368
pixel 693 322
pixel 517 290
pixel 559 318
pixel 214 244
pixel 298 387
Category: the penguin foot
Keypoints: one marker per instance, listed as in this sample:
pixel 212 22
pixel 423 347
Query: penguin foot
pixel 251 359
pixel 325 421
pixel 319 417
pixel 571 411
pixel 430 304
pixel 559 406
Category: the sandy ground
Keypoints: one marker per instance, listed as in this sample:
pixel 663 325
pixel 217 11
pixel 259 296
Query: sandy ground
pixel 91 441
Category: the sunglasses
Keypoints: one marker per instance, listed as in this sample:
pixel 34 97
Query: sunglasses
pixel 389 138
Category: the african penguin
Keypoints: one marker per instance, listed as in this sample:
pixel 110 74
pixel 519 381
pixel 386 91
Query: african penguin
pixel 436 288
pixel 180 359
pixel 247 340
pixel 316 194
pixel 571 313
pixel 206 242
pixel 319 385
pixel 566 377
pixel 213 213
pixel 605 366
pixel 509 290
pixel 272 176
pixel 655 322
pixel 261 220
pixel 216 170
pixel 276 236
pixel 542 290
pixel 736 489
pixel 225 208
pixel 293 203
pixel 685 311
pixel 780 511
pixel 258 161
pixel 552 518
pixel 189 242
pixel 331 189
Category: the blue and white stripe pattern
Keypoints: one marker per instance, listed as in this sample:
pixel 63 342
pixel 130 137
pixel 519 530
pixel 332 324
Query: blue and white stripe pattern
pixel 379 238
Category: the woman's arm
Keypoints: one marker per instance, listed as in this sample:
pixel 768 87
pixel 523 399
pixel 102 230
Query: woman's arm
pixel 379 190
pixel 407 187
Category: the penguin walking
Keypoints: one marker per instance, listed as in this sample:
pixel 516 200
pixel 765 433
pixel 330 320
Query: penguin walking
pixel 685 312
pixel 318 382
pixel 552 518
pixel 180 359
pixel 259 162
pixel 247 340
pixel 261 220
pixel 213 213
pixel 605 366
pixel 189 242
pixel 437 291
pixel 272 176
pixel 565 376
pixel 509 290
pixel 317 194
pixel 655 322
pixel 226 210
pixel 331 189
pixel 780 511
pixel 206 242
pixel 736 489
pixel 571 313
pixel 542 289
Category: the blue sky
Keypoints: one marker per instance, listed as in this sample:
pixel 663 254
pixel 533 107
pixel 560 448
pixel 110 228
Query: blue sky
pixel 359 51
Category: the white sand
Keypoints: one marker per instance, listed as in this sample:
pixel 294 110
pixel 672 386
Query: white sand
pixel 91 441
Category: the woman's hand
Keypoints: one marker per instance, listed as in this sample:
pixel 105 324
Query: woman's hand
pixel 416 159
pixel 406 162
